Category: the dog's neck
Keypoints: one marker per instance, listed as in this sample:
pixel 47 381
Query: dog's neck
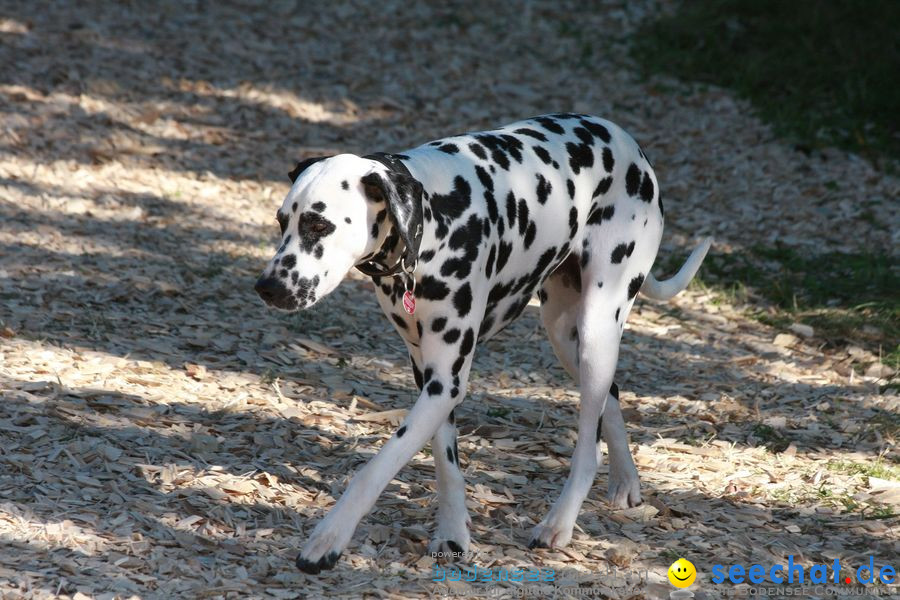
pixel 386 249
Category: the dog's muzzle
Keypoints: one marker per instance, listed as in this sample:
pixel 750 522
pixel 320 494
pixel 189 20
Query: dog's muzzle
pixel 274 293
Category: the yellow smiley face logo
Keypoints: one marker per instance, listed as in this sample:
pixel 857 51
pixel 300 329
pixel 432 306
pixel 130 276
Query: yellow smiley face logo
pixel 682 573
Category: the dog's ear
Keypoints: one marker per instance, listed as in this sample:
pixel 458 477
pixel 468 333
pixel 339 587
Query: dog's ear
pixel 302 166
pixel 403 195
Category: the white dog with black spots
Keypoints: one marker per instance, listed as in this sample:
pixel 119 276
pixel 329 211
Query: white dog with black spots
pixel 458 235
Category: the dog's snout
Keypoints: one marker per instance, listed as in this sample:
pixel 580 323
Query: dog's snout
pixel 272 291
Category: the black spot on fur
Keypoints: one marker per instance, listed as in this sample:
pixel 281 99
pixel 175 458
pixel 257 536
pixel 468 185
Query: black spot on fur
pixel 530 233
pixel 450 458
pixel 532 133
pixel 486 325
pixel 497 145
pixel 600 214
pixel 426 256
pixel 485 179
pixel 493 213
pixel 401 431
pixel 468 239
pixel 347 220
pixel 543 189
pixel 632 180
pixel 451 336
pixel 448 207
pixel 478 150
pixel 511 208
pixel 662 211
pixel 399 321
pixel 542 154
pixel 570 187
pixel 580 156
pixel 435 388
pixel 513 146
pixel 458 364
pixel 449 148
pixel 431 288
pixel 438 324
pixel 311 228
pixel 345 185
pixel 647 188
pixel 489 266
pixel 467 344
pixel 635 286
pixel 515 309
pixel 289 261
pixel 318 206
pixel 503 255
pixel 523 216
pixel 595 128
pixel 621 251
pixel 462 300
pixel 617 314
pixel 573 222
pixel 608 162
pixel 550 125
pixel 584 135
pixel 566 115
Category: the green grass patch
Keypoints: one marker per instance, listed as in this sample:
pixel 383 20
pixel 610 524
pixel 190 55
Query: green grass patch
pixel 822 72
pixel 877 468
pixel 846 298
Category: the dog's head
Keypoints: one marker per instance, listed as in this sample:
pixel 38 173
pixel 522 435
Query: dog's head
pixel 333 218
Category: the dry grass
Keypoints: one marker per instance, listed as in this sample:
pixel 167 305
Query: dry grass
pixel 163 436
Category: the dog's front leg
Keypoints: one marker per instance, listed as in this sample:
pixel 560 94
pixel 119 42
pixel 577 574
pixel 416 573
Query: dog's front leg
pixel 443 385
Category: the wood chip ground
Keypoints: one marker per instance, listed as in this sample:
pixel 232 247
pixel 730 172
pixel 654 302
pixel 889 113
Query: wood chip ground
pixel 162 435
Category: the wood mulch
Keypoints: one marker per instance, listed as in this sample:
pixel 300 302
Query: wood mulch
pixel 162 435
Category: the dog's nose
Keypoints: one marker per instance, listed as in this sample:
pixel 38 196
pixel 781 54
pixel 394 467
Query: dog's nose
pixel 271 290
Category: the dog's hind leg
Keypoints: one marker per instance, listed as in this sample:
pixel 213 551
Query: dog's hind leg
pixel 560 301
pixel 585 304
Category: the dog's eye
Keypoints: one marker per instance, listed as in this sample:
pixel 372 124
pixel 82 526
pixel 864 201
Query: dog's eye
pixel 282 222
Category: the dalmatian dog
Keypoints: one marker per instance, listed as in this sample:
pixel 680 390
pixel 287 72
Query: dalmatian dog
pixel 457 235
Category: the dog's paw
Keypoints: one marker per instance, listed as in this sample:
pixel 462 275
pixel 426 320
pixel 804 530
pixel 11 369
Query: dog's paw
pixel 452 534
pixel 624 492
pixel 551 533
pixel 624 485
pixel 314 567
pixel 323 549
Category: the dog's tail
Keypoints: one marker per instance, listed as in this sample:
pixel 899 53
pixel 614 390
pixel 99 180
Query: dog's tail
pixel 668 289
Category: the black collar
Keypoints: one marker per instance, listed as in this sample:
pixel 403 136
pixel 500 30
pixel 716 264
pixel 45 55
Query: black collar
pixel 375 269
